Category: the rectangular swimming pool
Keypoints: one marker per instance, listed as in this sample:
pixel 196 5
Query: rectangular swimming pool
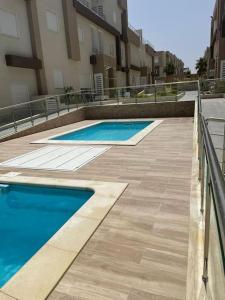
pixel 127 132
pixel 29 217
pixel 106 131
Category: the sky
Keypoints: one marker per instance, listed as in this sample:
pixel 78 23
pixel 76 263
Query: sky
pixel 180 26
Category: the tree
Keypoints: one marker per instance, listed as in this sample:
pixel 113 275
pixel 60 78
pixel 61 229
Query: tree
pixel 201 66
pixel 169 69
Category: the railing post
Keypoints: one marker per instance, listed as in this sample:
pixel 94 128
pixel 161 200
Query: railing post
pixel 31 115
pixel 46 108
pixel 76 101
pixel 223 159
pixel 118 97
pixel 67 102
pixel 57 104
pixel 208 201
pixel 14 120
pixel 155 94
pixel 200 154
pixel 82 99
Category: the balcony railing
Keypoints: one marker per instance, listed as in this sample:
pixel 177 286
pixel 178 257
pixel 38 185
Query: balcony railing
pixel 86 4
pixel 146 42
pixel 211 175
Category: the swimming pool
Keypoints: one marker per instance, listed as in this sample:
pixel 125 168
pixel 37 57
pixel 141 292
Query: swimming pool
pixel 36 278
pixel 107 132
pixel 29 217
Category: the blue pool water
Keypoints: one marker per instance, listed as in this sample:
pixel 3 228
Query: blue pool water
pixel 106 131
pixel 29 216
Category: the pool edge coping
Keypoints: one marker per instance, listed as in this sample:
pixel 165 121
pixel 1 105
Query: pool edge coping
pixel 38 277
pixel 133 141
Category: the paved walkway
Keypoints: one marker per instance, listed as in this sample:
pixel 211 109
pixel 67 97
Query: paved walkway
pixel 190 96
pixel 140 250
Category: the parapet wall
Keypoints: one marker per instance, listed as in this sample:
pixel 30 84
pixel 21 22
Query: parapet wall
pixel 126 111
pixel 145 110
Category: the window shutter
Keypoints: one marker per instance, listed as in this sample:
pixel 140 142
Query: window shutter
pixel 99 85
pixel 8 24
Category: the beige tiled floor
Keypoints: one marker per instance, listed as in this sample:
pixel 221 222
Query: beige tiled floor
pixel 140 250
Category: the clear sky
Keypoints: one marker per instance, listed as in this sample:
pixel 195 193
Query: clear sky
pixel 180 26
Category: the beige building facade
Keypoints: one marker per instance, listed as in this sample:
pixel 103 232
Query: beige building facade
pixel 162 59
pixel 216 61
pixel 16 84
pixel 49 45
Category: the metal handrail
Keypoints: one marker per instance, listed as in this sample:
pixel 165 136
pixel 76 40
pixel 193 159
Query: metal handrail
pixel 38 100
pixel 212 186
pixel 220 120
pixel 79 92
pixel 217 179
pixel 152 85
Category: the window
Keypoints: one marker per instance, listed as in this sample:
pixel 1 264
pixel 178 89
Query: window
pixel 20 93
pixel 97 41
pixel 8 25
pixel 52 21
pixel 58 79
pixel 81 35
pixel 100 41
pixel 94 41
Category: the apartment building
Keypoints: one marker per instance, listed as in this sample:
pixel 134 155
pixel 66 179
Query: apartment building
pixel 141 56
pixel 162 59
pixel 210 65
pixel 216 63
pixel 48 45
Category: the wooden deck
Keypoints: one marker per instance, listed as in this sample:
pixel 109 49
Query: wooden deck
pixel 140 250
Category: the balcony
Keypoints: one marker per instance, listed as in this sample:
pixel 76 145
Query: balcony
pixel 133 36
pixel 95 10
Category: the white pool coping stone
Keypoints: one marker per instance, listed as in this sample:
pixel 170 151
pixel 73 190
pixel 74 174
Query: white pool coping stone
pixel 38 277
pixel 130 142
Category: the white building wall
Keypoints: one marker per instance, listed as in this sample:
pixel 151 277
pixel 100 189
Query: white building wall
pixel 60 70
pixel 86 50
pixel 15 41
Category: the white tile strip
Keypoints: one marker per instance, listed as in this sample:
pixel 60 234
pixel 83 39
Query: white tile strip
pixel 56 158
